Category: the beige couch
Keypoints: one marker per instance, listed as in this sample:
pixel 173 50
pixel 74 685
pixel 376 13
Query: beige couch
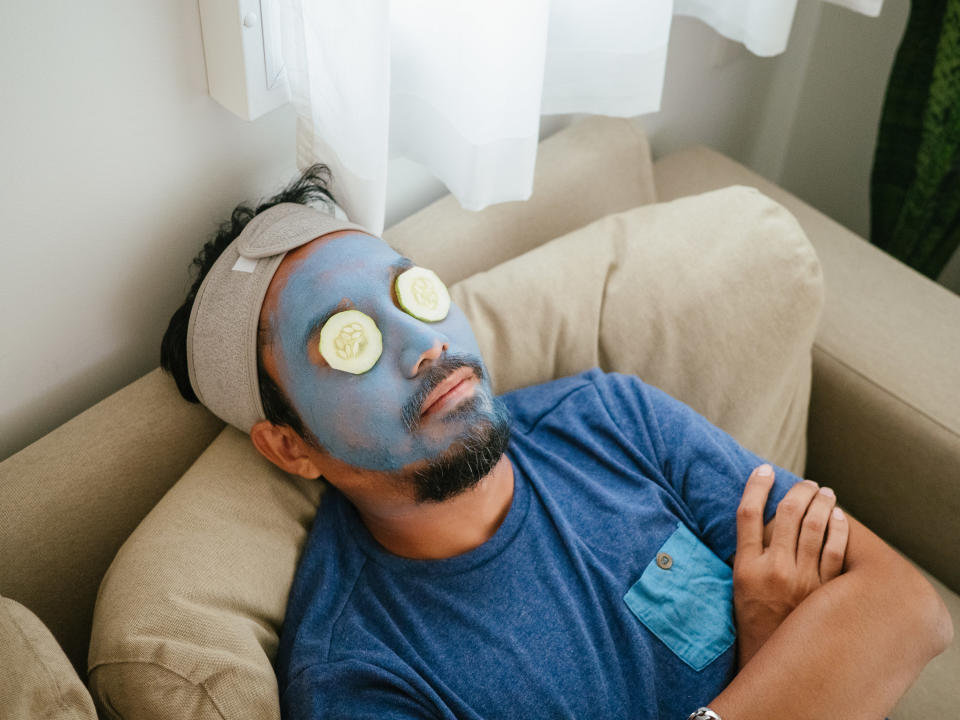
pixel 884 422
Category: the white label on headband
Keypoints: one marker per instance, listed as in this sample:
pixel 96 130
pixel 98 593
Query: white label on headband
pixel 245 264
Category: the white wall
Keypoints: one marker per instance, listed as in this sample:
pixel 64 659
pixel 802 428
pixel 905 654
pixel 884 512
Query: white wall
pixel 116 166
pixel 713 92
pixel 830 153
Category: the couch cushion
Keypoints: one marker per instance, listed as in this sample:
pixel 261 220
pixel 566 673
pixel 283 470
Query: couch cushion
pixel 186 620
pixel 713 298
pixel 36 679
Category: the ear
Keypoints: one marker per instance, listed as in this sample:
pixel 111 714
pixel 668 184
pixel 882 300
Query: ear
pixel 284 448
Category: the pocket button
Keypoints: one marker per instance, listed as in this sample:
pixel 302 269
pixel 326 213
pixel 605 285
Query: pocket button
pixel 664 561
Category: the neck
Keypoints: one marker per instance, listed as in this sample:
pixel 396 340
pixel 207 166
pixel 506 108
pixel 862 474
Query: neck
pixel 433 531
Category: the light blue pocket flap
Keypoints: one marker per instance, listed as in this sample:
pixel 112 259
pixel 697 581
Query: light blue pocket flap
pixel 685 598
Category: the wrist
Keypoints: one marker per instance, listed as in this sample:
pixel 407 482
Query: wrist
pixel 745 652
pixel 749 644
pixel 753 631
pixel 704 713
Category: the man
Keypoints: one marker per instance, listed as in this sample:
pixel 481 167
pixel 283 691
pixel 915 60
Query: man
pixel 562 551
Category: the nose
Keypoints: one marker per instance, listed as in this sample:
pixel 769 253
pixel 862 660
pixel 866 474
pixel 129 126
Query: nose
pixel 422 344
pixel 417 361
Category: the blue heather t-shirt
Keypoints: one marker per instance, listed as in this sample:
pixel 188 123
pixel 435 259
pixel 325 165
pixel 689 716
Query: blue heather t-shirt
pixel 604 593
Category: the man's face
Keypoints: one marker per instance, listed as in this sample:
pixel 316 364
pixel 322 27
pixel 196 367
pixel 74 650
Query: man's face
pixel 374 420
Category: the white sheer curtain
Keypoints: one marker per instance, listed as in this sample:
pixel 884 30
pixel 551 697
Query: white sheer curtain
pixel 459 86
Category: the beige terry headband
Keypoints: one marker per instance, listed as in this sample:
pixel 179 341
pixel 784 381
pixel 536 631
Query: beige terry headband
pixel 222 334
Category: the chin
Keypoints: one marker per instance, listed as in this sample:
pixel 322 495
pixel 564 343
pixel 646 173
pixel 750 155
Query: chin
pixel 471 456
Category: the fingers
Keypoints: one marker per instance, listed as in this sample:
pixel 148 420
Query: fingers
pixel 750 512
pixel 790 514
pixel 813 529
pixel 835 548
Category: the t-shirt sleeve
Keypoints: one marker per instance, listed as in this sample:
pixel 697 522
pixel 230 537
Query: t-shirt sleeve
pixel 706 467
pixel 350 689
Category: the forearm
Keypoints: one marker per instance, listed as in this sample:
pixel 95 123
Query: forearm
pixel 849 650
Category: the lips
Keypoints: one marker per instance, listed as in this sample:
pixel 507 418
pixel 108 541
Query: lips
pixel 452 381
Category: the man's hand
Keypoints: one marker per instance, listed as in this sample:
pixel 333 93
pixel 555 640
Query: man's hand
pixel 772 575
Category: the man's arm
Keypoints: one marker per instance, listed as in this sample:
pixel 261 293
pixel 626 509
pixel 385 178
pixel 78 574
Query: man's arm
pixel 851 648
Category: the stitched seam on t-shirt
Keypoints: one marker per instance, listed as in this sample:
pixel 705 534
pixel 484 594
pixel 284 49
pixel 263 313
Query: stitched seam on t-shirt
pixel 400 679
pixel 654 427
pixel 560 402
pixel 343 608
pixel 623 435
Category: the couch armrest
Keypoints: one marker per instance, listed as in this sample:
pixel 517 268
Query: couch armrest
pixel 884 428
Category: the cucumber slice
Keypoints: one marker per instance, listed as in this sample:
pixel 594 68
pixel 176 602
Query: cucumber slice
pixel 422 294
pixel 350 341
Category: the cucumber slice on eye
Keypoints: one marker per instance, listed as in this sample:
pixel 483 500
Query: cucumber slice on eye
pixel 350 341
pixel 422 294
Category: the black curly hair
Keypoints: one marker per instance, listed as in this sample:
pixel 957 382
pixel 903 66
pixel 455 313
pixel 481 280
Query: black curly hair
pixel 310 187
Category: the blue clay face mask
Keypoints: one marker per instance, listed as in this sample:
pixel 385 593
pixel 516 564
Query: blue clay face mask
pixel 370 420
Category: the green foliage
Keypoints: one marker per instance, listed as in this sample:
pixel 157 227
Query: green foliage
pixel 915 185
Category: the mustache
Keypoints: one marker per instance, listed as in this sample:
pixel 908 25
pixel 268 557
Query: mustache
pixel 439 371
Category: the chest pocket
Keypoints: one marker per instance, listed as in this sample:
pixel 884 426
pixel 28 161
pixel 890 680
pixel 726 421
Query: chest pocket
pixel 685 598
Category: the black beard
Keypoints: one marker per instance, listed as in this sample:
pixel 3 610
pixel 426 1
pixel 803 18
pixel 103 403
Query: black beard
pixel 471 457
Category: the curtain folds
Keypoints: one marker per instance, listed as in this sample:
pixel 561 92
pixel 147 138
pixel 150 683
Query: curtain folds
pixel 459 87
